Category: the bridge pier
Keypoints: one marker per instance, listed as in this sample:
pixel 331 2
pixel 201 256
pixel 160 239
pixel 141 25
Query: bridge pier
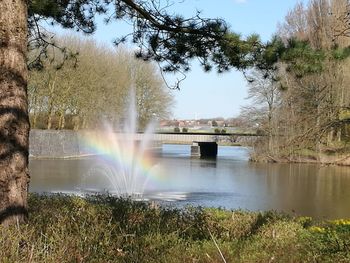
pixel 204 149
pixel 195 150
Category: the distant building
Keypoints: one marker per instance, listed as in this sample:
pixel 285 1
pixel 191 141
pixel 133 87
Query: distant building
pixel 220 123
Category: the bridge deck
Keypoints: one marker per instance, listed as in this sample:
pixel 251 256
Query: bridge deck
pixel 208 133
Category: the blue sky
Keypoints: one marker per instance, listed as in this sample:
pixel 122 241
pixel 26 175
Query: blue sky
pixel 205 95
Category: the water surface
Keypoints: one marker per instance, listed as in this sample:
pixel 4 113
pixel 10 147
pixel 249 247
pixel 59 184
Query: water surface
pixel 228 181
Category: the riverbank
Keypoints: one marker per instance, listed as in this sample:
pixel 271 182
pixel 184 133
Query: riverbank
pixel 305 156
pixel 106 229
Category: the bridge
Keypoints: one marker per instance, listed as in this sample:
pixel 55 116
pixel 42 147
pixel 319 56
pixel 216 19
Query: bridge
pixel 210 133
pixel 203 144
pixel 188 137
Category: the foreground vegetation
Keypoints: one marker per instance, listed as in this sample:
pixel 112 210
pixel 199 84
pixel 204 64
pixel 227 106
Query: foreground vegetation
pixel 107 229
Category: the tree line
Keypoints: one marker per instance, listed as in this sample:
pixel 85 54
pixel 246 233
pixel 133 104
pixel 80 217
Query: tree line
pixel 94 85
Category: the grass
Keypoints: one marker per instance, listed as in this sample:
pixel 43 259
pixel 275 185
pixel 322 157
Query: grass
pixel 106 229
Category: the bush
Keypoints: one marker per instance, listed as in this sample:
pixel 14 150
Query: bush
pixel 176 129
pixel 260 132
pixel 184 130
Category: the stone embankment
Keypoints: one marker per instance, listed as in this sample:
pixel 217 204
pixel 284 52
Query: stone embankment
pixel 323 159
pixel 56 144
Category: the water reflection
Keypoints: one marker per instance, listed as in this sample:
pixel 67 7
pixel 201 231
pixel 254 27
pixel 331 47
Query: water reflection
pixel 229 181
pixel 307 189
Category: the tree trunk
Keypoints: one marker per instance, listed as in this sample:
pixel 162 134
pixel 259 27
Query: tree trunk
pixel 84 124
pixel 35 112
pixel 51 104
pixel 14 121
pixel 76 121
pixel 62 121
pixel 35 119
pixel 49 120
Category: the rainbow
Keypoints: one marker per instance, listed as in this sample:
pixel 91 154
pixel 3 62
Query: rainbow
pixel 130 158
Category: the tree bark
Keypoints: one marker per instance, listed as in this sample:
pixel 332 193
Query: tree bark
pixel 14 121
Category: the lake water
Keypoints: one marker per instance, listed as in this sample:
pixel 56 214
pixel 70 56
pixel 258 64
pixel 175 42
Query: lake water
pixel 228 181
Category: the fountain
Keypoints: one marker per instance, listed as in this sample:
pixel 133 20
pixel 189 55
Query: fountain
pixel 122 158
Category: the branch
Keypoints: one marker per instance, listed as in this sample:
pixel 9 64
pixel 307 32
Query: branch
pixel 176 29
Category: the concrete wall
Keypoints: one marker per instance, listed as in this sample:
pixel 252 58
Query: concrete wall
pixel 54 144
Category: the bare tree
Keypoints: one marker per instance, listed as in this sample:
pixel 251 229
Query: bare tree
pixel 307 115
pixel 101 77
